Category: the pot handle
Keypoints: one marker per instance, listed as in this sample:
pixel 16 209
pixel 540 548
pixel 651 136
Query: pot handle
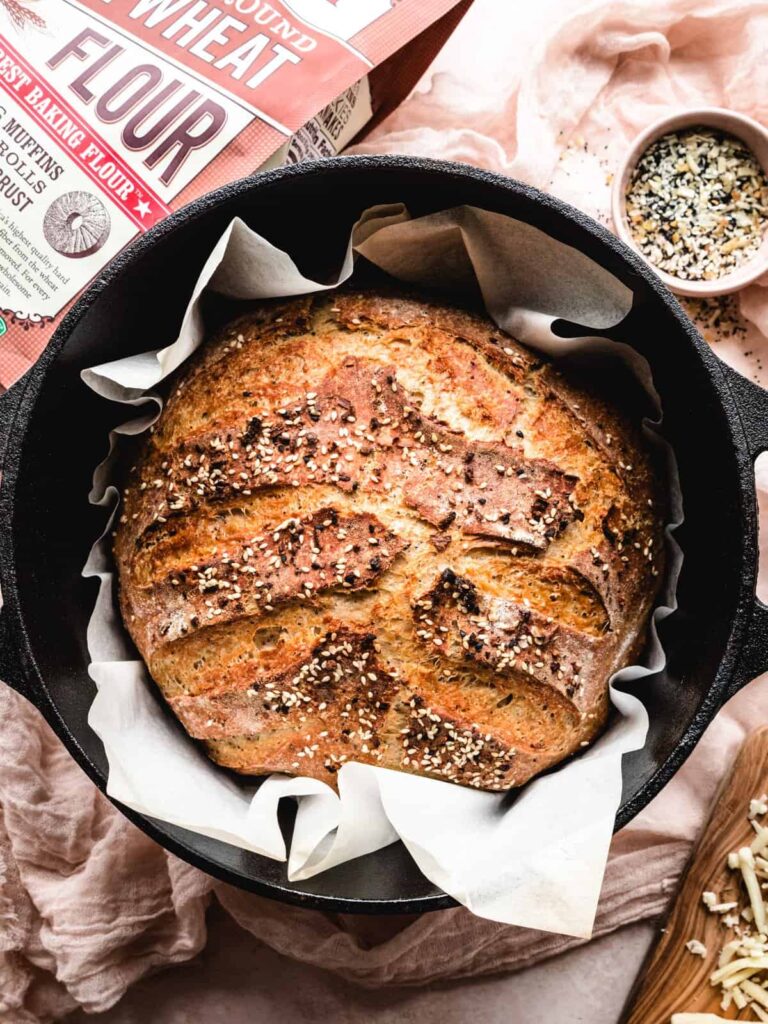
pixel 752 404
pixel 11 667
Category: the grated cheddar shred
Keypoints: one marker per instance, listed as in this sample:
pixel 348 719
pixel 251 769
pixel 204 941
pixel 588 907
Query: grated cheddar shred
pixel 741 971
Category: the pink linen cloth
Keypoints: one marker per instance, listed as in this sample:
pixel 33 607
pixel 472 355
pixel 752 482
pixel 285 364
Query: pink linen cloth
pixel 550 93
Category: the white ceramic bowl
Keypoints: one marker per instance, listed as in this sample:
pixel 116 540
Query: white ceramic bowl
pixel 744 128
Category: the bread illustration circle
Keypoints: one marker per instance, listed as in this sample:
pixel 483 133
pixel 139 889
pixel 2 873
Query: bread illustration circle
pixel 76 224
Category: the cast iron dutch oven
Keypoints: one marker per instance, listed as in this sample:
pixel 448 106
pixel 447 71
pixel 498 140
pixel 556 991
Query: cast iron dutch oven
pixel 55 433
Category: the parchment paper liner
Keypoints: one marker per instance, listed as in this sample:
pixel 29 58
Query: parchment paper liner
pixel 537 863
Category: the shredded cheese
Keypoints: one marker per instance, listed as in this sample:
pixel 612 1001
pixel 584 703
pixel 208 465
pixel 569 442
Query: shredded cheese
pixel 747 864
pixel 736 979
pixel 753 963
pixel 715 906
pixel 756 992
pixel 741 971
pixel 698 1018
pixel 759 843
pixel 728 952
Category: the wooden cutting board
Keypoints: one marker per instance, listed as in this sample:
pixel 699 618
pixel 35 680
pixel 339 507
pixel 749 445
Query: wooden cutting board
pixel 673 980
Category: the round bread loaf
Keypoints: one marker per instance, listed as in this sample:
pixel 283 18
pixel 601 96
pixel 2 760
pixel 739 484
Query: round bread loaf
pixel 370 528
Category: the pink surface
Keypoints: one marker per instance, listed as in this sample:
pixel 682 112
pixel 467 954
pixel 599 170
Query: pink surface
pixel 237 980
pixel 549 92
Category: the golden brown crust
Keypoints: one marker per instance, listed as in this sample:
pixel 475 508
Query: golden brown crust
pixel 375 528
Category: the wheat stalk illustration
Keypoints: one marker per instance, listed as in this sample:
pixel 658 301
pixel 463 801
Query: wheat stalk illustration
pixel 21 15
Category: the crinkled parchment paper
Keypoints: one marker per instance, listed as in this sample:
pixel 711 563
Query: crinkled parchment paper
pixel 537 863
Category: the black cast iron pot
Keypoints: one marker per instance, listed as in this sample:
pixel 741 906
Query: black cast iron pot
pixel 55 431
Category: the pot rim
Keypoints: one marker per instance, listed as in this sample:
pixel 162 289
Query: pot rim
pixel 13 632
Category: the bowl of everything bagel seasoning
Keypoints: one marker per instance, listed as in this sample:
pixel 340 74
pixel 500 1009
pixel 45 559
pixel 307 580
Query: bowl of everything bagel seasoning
pixel 692 200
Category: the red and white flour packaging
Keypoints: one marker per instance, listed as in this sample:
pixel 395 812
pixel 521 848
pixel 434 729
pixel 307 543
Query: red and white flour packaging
pixel 113 113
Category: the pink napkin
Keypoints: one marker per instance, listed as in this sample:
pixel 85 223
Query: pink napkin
pixel 549 92
pixel 88 904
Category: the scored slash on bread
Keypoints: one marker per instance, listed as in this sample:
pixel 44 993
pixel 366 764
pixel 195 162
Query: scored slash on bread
pixel 295 559
pixel 504 493
pixel 373 528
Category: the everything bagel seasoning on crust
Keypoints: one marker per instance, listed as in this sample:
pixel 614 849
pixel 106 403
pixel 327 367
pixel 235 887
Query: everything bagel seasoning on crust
pixel 374 528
